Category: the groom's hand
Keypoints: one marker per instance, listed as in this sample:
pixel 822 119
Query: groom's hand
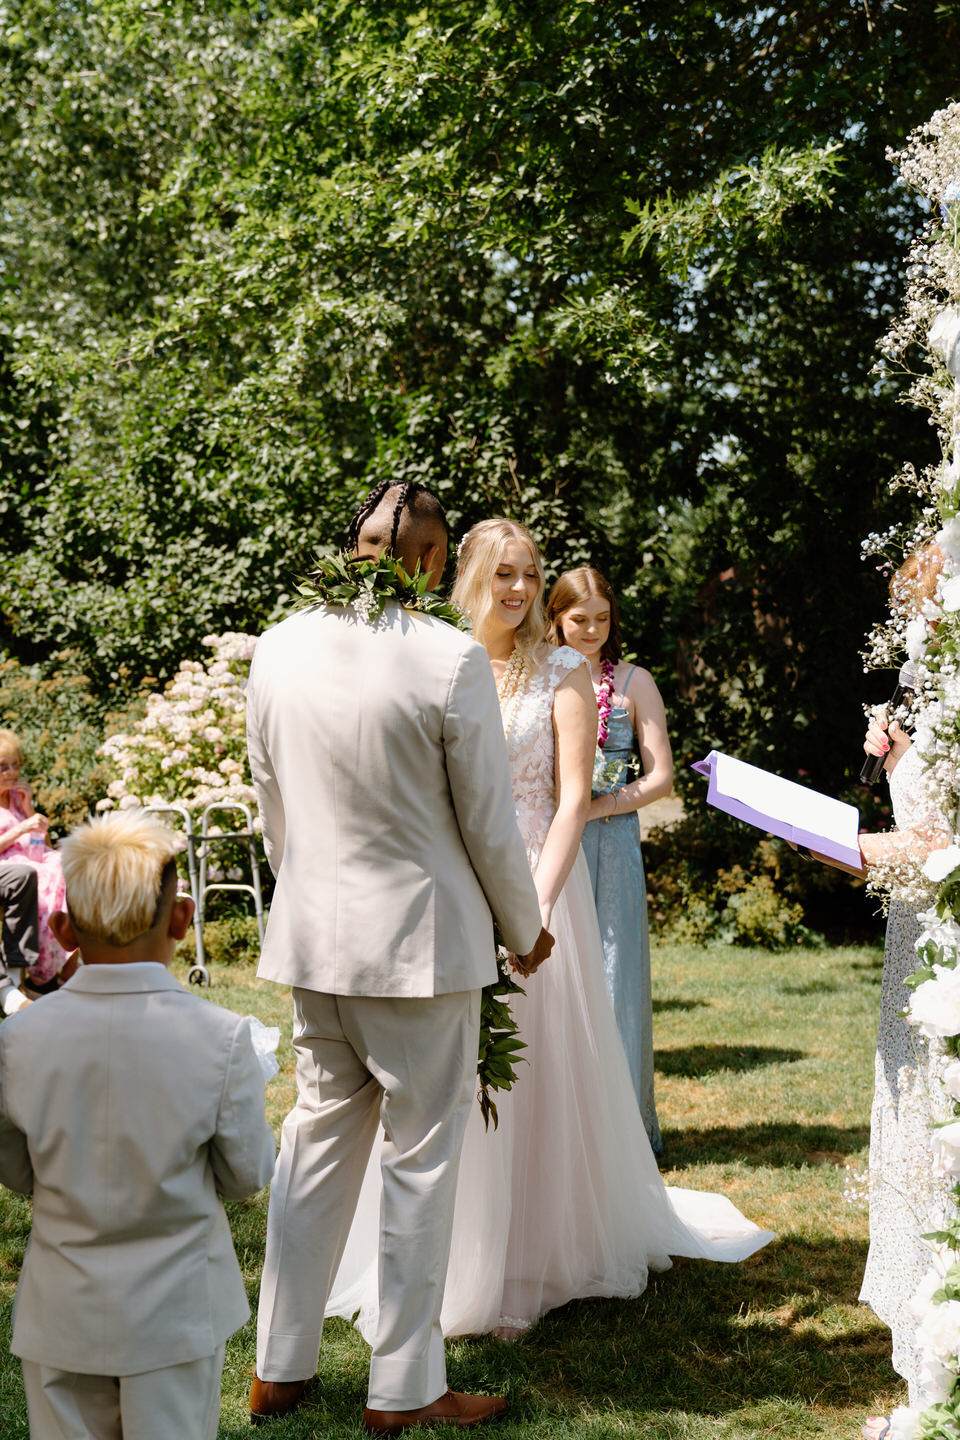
pixel 526 964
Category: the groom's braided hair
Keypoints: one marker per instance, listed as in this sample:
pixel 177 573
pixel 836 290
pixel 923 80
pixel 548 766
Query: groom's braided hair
pixel 412 496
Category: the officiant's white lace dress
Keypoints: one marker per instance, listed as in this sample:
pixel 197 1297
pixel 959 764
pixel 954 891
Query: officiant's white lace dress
pixel 906 1198
pixel 564 1200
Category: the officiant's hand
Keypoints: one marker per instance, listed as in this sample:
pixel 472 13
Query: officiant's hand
pixel 860 873
pixel 889 741
pixel 526 964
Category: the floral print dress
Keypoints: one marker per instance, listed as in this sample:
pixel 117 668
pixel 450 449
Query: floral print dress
pixel 51 894
pixel 907 1199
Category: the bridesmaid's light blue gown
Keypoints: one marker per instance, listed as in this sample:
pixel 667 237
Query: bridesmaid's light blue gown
pixel 615 862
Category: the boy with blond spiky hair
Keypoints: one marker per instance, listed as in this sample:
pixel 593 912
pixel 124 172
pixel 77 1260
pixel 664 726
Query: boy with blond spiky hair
pixel 127 1108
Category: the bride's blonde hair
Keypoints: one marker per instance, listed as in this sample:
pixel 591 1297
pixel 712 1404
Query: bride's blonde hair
pixel 478 557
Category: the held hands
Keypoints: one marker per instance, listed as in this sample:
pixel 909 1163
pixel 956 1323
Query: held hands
pixel 526 964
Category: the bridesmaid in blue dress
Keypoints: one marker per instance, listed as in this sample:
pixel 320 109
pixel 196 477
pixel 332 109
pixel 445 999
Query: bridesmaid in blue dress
pixel 583 614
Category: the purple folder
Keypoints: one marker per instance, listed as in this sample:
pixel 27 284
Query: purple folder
pixel 783 808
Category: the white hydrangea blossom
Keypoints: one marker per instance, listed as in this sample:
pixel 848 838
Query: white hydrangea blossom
pixel 190 745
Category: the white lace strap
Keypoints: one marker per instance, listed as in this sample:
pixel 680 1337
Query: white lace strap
pixel 564 657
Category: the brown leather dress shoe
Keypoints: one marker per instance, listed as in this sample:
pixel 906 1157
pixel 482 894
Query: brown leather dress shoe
pixel 451 1409
pixel 270 1398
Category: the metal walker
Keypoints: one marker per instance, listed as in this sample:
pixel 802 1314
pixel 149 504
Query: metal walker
pixel 199 847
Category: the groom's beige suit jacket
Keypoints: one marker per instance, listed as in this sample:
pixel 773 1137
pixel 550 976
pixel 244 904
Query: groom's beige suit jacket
pixel 380 765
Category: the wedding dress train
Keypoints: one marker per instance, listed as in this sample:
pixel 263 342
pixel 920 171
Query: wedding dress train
pixel 563 1201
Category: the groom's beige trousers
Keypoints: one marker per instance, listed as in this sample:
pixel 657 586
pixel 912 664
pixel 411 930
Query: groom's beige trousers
pixel 360 1059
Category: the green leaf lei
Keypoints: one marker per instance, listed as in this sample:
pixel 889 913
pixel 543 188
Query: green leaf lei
pixel 499 1041
pixel 339 580
pixel 367 585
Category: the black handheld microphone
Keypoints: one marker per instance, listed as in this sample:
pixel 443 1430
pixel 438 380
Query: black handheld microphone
pixel 906 680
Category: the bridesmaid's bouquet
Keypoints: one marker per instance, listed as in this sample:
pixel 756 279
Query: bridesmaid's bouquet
pixel 607 773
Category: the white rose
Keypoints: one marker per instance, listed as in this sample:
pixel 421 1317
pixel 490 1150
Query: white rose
pixel 950 595
pixel 916 637
pixel 944 337
pixel 922 1298
pixel 905 1423
pixel 923 737
pixel 949 476
pixel 939 1330
pixel 945 933
pixel 951 1079
pixel 948 538
pixel 946 1149
pixel 941 863
pixel 935 1379
pixel 935 1005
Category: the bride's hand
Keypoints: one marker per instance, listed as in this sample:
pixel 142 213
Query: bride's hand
pixel 526 964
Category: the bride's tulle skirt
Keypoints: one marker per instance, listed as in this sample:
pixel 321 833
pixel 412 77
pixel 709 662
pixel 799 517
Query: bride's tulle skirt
pixel 564 1200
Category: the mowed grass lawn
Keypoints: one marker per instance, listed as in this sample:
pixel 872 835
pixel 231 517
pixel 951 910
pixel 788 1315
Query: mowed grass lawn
pixel 765 1070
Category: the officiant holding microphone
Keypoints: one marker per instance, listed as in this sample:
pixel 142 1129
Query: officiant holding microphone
pixel 906 1199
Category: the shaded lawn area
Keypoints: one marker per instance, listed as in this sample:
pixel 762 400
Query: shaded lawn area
pixel 765 1074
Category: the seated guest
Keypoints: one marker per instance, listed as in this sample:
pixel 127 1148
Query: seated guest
pixel 19 938
pixel 23 841
pixel 126 1105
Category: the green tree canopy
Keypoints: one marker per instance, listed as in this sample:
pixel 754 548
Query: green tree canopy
pixel 617 270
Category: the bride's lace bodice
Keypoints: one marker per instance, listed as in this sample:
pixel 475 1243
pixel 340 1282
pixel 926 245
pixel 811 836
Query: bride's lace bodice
pixel 528 720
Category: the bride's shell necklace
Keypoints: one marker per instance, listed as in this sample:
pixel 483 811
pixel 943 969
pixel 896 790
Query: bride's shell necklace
pixel 510 687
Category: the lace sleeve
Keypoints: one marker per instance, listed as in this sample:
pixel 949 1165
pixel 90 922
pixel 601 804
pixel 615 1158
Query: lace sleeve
pixel 562 660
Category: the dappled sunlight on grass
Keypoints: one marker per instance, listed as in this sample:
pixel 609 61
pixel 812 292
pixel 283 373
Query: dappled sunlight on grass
pixel 763 1090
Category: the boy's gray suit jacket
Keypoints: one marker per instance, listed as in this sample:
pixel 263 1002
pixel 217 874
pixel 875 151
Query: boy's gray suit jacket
pixel 126 1104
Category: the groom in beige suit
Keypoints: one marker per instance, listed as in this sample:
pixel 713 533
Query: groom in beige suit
pixel 381 770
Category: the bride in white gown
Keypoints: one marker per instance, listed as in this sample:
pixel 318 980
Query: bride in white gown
pixel 564 1200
